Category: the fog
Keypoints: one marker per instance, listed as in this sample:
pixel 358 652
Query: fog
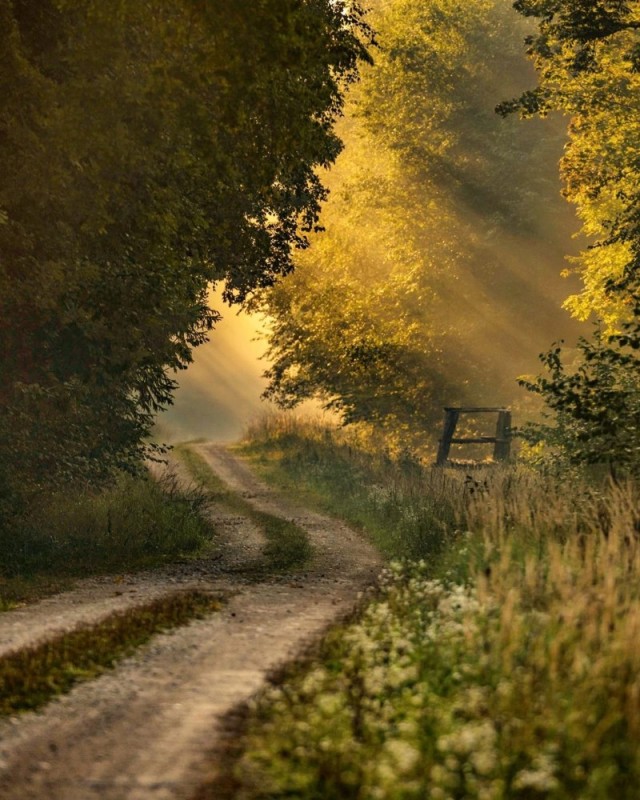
pixel 220 392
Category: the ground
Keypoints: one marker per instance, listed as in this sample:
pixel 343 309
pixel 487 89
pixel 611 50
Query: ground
pixel 155 727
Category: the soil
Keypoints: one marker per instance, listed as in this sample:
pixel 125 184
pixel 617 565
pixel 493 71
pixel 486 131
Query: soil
pixel 153 728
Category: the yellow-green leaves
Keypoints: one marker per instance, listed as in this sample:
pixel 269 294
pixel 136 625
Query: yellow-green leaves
pixel 435 278
pixel 585 56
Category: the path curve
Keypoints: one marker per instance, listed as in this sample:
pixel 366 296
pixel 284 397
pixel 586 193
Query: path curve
pixel 148 729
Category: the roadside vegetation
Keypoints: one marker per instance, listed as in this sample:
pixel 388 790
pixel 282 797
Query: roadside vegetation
pixel 33 675
pixel 136 524
pixel 499 658
pixel 407 511
pixel 196 163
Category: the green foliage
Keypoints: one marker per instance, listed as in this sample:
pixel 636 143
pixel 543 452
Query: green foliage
pixel 134 525
pixel 587 58
pixel 586 55
pixel 596 406
pixel 504 669
pixel 32 676
pixel 421 292
pixel 446 691
pixel 147 150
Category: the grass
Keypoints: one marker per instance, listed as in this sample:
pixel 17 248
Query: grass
pixel 137 524
pixel 32 676
pixel 287 544
pixel 504 666
pixel 406 510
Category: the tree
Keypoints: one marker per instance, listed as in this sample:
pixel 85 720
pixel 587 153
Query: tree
pixel 422 291
pixel 148 149
pixel 596 404
pixel 587 56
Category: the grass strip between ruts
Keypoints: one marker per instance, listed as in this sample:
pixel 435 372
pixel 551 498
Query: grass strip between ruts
pixel 31 676
pixel 288 545
pixel 137 523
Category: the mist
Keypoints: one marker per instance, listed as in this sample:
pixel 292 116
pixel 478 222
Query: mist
pixel 437 280
pixel 220 393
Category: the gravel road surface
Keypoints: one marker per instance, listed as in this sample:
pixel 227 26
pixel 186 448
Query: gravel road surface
pixel 151 728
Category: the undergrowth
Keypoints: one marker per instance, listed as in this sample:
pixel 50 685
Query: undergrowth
pixel 137 524
pixel 33 675
pixel 504 666
pixel 287 547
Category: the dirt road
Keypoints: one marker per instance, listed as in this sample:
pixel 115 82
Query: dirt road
pixel 149 730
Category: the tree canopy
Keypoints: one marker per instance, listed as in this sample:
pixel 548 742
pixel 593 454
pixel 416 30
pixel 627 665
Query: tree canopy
pixel 437 278
pixel 147 150
pixel 587 57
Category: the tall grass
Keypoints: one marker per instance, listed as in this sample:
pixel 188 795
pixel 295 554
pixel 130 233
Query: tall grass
pixel 506 667
pixel 407 510
pixel 138 523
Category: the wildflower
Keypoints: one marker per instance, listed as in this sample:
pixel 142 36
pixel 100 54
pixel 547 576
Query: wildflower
pixel 329 704
pixel 541 778
pixel 469 738
pixel 484 761
pixel 403 754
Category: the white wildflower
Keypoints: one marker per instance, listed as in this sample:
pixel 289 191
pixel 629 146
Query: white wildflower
pixel 484 761
pixel 541 777
pixel 330 704
pixel 400 676
pixel 404 755
pixel 468 738
pixel 374 681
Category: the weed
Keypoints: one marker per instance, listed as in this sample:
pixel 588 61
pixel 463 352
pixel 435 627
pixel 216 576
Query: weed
pixel 135 525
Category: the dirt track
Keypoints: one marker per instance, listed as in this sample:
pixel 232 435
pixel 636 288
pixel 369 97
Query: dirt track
pixel 149 729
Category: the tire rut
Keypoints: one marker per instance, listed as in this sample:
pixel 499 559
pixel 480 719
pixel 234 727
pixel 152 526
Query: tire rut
pixel 149 729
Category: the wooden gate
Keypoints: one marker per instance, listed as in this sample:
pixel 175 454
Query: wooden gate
pixel 501 441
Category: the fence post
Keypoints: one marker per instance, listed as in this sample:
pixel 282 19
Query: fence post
pixel 502 449
pixel 450 422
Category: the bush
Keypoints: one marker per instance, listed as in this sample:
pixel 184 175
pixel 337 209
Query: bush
pixel 594 408
pixel 135 524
